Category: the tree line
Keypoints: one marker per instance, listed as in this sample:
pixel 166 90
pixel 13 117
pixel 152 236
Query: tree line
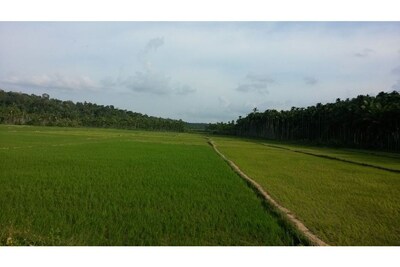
pixel 363 122
pixel 24 109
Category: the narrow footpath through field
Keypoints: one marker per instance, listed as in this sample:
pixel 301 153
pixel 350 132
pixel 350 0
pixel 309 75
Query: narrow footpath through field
pixel 288 215
pixel 341 202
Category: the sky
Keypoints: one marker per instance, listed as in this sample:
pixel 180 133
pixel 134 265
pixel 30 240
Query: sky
pixel 200 71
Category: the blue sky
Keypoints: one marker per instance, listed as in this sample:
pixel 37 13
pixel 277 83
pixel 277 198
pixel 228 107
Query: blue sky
pixel 200 72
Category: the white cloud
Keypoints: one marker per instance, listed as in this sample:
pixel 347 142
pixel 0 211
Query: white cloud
pixel 148 82
pixel 149 79
pixel 156 65
pixel 236 108
pixel 255 83
pixel 184 89
pixel 54 80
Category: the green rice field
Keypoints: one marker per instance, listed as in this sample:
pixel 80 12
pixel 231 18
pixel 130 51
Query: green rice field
pixel 104 187
pixel 343 203
pixel 65 186
pixel 378 159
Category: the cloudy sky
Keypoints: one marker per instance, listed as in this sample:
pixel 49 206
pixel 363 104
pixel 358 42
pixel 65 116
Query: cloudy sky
pixel 200 72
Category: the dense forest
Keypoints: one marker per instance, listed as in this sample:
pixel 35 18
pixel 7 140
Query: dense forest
pixel 19 108
pixel 362 122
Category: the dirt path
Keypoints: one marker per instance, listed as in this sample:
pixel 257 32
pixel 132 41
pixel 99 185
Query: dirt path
pixel 314 240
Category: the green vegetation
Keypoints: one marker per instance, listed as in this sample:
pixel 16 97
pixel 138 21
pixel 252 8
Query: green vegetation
pixel 21 109
pixel 383 160
pixel 65 186
pixel 343 203
pixel 362 122
pixel 91 186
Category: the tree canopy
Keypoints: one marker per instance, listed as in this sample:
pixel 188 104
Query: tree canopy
pixel 20 108
pixel 363 122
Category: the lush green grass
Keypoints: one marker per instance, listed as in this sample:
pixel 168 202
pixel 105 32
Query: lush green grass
pixel 375 158
pixel 343 203
pixel 16 136
pixel 63 186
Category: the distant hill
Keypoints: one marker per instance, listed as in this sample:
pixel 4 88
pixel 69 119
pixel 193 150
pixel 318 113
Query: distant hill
pixel 24 109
